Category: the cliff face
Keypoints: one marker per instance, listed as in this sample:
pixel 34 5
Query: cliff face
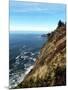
pixel 50 66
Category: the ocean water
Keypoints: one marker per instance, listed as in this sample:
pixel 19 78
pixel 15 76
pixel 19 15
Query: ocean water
pixel 23 50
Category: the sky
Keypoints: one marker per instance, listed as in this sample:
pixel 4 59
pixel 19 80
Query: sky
pixel 35 16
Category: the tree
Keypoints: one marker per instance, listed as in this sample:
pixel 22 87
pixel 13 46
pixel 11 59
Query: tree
pixel 60 23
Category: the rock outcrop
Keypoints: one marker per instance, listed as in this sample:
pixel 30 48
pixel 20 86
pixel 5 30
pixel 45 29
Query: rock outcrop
pixel 50 66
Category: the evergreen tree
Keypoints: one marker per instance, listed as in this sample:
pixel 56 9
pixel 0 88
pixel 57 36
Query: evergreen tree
pixel 60 23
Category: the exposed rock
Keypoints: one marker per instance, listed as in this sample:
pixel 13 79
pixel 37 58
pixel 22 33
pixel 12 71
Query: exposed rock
pixel 44 35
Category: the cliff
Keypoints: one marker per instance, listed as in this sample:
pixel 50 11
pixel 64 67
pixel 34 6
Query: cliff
pixel 50 66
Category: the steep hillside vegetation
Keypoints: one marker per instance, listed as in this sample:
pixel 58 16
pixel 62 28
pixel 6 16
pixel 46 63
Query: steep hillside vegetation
pixel 50 66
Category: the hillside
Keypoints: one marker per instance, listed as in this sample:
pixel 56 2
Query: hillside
pixel 50 66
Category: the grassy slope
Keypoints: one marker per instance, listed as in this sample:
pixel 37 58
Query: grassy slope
pixel 50 66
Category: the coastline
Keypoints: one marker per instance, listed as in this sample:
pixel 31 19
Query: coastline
pixel 50 66
pixel 20 79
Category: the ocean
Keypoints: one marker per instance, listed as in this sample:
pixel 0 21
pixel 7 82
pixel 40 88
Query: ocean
pixel 23 50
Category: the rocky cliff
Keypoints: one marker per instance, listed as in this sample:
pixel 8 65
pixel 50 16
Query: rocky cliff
pixel 50 66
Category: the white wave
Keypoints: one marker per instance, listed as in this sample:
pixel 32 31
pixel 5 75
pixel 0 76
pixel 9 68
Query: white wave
pixel 25 57
pixel 34 59
pixel 19 78
pixel 17 56
pixel 28 70
pixel 32 53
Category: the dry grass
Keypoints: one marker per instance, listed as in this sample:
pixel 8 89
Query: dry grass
pixel 50 67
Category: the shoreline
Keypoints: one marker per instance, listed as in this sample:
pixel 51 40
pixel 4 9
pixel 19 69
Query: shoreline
pixel 20 79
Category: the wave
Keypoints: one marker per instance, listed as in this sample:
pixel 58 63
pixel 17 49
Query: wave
pixel 19 78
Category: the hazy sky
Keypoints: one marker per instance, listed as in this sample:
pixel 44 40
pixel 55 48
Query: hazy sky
pixel 28 16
